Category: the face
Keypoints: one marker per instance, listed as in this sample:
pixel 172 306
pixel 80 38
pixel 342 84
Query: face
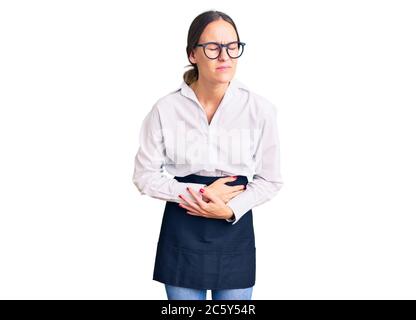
pixel 222 32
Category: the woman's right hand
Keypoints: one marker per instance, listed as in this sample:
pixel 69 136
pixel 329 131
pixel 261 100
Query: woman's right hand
pixel 224 191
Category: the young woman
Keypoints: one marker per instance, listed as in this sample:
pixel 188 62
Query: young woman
pixel 212 134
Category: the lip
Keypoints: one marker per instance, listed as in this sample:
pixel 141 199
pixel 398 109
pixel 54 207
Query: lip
pixel 223 67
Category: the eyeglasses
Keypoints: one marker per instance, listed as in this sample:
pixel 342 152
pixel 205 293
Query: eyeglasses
pixel 212 50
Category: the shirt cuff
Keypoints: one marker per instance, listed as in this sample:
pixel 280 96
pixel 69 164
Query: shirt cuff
pixel 241 204
pixel 231 220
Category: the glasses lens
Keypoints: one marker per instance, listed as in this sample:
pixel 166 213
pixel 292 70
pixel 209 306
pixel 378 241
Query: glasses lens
pixel 235 50
pixel 212 50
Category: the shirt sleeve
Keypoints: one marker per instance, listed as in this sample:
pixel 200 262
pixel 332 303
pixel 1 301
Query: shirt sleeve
pixel 267 180
pixel 149 164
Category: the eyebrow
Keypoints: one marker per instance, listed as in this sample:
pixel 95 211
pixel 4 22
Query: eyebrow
pixel 219 42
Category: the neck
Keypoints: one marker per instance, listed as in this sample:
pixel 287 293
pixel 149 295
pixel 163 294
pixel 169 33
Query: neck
pixel 209 94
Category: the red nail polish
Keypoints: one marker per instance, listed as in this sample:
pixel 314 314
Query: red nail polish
pixel 187 188
pixel 180 196
pixel 201 190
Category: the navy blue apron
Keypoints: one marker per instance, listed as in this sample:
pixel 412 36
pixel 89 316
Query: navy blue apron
pixel 203 253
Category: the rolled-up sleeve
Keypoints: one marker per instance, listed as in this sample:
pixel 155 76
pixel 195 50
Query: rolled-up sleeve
pixel 267 179
pixel 149 176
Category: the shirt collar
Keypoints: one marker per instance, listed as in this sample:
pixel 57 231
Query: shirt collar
pixel 233 88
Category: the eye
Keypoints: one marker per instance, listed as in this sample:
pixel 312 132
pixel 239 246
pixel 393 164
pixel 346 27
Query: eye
pixel 212 47
pixel 233 46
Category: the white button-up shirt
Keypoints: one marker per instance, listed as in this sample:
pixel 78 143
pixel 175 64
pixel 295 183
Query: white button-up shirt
pixel 241 139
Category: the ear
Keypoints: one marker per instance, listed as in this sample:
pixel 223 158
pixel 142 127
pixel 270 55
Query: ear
pixel 192 57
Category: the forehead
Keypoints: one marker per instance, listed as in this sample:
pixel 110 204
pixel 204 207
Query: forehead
pixel 219 31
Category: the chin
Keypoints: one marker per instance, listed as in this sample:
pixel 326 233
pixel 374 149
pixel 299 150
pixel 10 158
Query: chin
pixel 224 78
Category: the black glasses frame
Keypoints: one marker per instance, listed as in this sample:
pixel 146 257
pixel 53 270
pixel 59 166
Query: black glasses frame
pixel 220 45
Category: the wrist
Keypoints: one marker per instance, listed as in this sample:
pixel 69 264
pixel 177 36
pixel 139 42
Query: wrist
pixel 230 214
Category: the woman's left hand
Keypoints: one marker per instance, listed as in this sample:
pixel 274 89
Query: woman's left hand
pixel 214 209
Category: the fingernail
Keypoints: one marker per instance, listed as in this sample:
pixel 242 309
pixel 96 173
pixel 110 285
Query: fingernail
pixel 245 187
pixel 180 196
pixel 235 177
pixel 187 188
pixel 201 190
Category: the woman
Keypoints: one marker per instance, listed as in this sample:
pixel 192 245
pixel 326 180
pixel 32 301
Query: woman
pixel 212 133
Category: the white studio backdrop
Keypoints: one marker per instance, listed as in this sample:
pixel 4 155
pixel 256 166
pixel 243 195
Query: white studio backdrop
pixel 78 77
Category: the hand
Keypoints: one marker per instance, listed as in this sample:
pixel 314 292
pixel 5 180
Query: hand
pixel 214 209
pixel 225 192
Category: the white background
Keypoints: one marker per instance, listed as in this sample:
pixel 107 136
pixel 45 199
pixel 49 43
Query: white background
pixel 78 77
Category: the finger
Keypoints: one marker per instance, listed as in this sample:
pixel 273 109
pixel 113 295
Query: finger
pixel 196 212
pixel 238 187
pixel 210 195
pixel 190 203
pixel 227 179
pixel 232 195
pixel 197 198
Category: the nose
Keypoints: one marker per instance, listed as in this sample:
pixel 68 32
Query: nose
pixel 223 54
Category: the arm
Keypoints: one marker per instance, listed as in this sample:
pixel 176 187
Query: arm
pixel 149 161
pixel 267 180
